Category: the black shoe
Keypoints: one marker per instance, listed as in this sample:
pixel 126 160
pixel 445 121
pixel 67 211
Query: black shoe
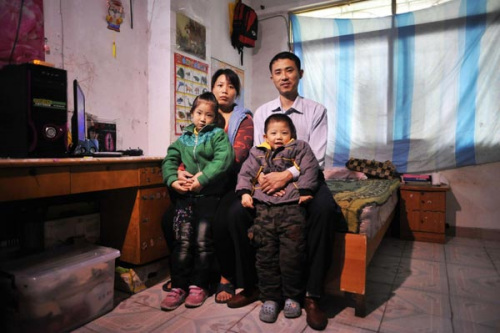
pixel 316 318
pixel 243 298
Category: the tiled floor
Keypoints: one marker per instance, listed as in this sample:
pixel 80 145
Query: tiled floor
pixel 412 287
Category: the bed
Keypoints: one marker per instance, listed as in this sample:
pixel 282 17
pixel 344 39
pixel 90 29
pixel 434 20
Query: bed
pixel 367 207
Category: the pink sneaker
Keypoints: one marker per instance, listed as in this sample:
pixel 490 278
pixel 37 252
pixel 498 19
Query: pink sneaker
pixel 196 297
pixel 174 298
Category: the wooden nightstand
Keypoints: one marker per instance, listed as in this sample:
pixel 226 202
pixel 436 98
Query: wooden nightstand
pixel 423 212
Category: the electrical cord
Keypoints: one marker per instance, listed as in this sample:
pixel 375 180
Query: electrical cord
pixel 17 32
pixel 286 26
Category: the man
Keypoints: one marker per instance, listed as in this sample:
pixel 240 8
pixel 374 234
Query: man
pixel 310 120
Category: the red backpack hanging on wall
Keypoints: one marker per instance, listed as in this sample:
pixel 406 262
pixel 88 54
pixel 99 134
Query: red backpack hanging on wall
pixel 245 25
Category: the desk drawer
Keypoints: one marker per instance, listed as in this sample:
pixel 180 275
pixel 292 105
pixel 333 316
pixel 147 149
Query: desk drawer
pixel 144 241
pixel 103 177
pixel 32 183
pixel 151 175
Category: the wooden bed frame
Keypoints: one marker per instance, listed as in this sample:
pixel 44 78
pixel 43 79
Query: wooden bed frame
pixel 351 255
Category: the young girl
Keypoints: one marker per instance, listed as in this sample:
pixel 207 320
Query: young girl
pixel 206 153
pixel 279 226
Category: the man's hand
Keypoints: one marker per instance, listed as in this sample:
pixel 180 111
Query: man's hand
pixel 274 181
pixel 247 200
pixel 305 198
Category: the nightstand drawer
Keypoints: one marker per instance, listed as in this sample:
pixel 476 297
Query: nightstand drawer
pixel 431 221
pixel 433 201
pixel 419 200
pixel 411 200
pixel 423 212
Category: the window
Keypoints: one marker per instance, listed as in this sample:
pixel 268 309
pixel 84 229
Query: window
pixel 370 8
pixel 419 88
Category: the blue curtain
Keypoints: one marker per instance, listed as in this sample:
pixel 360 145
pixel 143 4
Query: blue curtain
pixel 421 89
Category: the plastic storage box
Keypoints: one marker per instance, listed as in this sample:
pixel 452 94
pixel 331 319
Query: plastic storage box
pixel 58 290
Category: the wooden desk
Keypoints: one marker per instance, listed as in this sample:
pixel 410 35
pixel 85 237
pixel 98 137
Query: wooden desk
pixel 130 190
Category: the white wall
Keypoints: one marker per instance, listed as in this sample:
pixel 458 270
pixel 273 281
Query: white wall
pixel 272 39
pixel 474 199
pixel 135 89
pixel 160 81
pixel 116 89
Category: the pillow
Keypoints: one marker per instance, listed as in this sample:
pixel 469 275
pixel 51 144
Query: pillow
pixel 372 168
pixel 343 173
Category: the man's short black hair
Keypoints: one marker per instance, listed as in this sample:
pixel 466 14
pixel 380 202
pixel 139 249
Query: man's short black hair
pixel 285 55
pixel 281 117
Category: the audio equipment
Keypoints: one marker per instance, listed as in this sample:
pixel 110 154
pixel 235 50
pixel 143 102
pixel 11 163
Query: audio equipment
pixel 33 111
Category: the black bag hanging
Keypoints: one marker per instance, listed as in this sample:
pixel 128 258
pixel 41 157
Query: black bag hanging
pixel 245 25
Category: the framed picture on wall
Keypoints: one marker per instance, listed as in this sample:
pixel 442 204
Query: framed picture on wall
pixel 190 36
pixel 191 79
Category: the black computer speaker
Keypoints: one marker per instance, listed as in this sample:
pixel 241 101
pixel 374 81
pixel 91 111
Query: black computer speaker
pixel 33 110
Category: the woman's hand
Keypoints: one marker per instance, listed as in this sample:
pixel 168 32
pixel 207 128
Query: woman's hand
pixel 185 178
pixel 179 188
pixel 195 185
pixel 247 200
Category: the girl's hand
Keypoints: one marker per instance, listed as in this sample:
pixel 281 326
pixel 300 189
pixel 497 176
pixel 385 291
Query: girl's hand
pixel 247 200
pixel 185 178
pixel 183 175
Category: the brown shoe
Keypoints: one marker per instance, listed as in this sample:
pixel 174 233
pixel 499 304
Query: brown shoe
pixel 316 318
pixel 243 298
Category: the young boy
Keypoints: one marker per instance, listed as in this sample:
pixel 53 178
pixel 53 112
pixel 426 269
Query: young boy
pixel 279 227
pixel 206 153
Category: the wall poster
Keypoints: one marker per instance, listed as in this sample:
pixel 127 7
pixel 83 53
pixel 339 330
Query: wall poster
pixel 217 64
pixel 191 79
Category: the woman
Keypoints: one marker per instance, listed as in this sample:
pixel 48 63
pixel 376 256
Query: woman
pixel 238 124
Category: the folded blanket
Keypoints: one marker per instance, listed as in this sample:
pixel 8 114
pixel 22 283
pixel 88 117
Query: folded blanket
pixel 353 195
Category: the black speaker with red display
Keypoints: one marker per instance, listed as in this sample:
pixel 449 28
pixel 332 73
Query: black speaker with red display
pixel 33 111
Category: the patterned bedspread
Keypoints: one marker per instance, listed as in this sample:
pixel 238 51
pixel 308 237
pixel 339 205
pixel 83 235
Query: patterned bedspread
pixel 353 195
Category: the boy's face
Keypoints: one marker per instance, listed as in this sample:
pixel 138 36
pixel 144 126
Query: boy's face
pixel 278 134
pixel 286 76
pixel 203 114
